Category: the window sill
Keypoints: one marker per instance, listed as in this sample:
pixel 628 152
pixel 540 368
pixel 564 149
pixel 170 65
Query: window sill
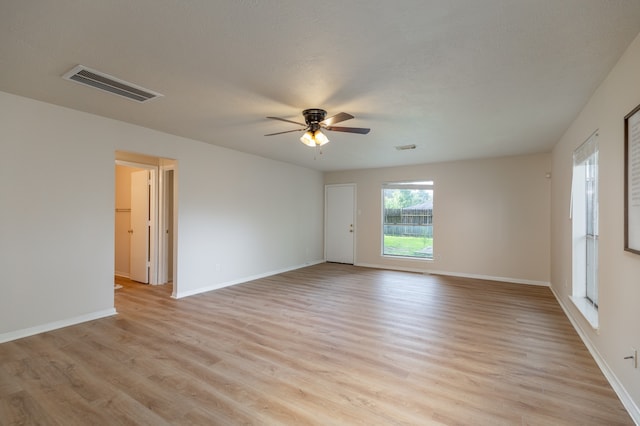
pixel 391 256
pixel 587 309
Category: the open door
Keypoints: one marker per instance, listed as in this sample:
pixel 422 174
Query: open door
pixel 167 230
pixel 140 226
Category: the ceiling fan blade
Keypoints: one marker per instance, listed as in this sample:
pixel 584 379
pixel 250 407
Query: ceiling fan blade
pixel 287 131
pixel 341 116
pixel 360 130
pixel 288 121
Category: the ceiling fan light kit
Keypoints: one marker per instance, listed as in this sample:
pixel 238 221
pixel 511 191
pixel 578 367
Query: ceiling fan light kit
pixel 316 138
pixel 315 121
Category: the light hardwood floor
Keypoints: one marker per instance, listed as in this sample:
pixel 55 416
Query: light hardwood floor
pixel 328 344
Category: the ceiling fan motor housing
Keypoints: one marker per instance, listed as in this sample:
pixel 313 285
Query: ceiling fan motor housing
pixel 313 116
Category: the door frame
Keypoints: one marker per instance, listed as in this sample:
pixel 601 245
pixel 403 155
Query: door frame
pixel 154 207
pixel 354 219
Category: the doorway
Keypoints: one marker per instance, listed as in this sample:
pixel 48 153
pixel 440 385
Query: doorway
pixel 144 219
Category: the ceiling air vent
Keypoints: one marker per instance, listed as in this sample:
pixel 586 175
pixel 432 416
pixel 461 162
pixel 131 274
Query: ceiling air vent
pixel 99 80
pixel 405 147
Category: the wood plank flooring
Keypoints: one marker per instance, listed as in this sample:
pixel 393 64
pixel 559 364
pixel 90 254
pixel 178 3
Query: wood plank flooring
pixel 328 344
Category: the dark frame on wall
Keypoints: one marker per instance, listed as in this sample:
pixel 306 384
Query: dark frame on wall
pixel 632 181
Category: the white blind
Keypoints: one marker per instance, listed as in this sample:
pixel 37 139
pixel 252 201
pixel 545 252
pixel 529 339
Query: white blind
pixel 408 185
pixel 581 155
pixel 586 150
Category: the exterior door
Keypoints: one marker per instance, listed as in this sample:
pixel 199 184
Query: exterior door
pixel 140 224
pixel 339 223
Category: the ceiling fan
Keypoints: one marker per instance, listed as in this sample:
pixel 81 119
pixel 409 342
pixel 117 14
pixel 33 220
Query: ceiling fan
pixel 315 121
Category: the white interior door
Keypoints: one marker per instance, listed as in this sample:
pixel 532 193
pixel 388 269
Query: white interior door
pixel 140 226
pixel 339 223
pixel 166 235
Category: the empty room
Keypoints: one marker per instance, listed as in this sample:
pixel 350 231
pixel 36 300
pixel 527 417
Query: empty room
pixel 361 212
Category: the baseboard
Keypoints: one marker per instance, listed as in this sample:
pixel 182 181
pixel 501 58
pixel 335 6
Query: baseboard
pixel 618 388
pixel 490 278
pixel 216 286
pixel 26 332
pixel 122 274
pixel 458 274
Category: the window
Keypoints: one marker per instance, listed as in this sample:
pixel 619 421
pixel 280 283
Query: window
pixel 407 219
pixel 585 229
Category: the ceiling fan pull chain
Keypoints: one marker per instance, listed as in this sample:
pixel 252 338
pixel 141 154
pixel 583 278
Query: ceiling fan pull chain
pixel 317 151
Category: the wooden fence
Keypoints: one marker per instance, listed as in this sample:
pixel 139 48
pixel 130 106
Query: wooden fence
pixel 408 222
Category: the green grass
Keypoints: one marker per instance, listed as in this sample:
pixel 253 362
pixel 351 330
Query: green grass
pixel 407 246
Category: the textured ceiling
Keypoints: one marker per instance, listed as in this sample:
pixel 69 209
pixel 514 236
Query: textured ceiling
pixel 459 78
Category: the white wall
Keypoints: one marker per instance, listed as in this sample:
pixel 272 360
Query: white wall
pixel 619 276
pixel 239 216
pixel 491 217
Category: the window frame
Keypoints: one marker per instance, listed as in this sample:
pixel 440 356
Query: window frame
pixel 585 232
pixel 417 184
